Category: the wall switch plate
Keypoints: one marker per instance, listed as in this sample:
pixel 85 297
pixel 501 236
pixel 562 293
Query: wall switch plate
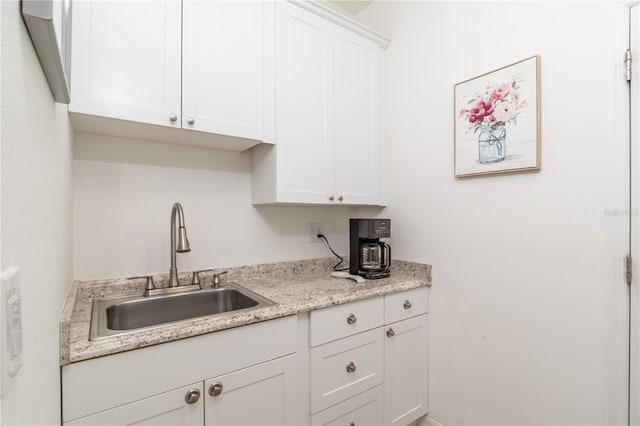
pixel 11 327
pixel 313 230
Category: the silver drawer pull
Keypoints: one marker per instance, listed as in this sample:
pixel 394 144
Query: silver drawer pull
pixel 351 367
pixel 407 304
pixel 351 319
pixel 390 332
pixel 215 389
pixel 192 396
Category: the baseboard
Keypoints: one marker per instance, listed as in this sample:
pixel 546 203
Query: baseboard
pixel 428 421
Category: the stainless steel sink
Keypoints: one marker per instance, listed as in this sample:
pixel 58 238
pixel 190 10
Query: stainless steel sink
pixel 115 316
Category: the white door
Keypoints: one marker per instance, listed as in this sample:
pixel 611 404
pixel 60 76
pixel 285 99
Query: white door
pixel 265 394
pixel 634 246
pixel 222 88
pixel 304 105
pixel 169 408
pixel 357 118
pixel 126 60
pixel 405 370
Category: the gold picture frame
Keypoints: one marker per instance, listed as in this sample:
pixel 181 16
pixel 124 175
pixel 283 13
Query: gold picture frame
pixel 497 121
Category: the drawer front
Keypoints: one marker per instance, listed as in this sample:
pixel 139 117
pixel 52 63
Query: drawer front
pixel 406 304
pixel 345 368
pixel 345 320
pixel 363 409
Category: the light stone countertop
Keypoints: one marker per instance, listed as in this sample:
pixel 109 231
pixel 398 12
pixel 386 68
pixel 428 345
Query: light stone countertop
pixel 297 286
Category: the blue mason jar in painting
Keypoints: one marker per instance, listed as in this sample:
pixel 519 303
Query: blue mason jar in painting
pixel 492 144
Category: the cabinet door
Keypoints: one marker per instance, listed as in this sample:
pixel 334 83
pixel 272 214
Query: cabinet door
pixel 169 408
pixel 304 105
pixel 265 394
pixel 126 60
pixel 357 118
pixel 222 67
pixel 405 374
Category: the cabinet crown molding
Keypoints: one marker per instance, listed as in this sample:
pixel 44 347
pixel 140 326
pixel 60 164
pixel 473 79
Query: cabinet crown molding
pixel 335 17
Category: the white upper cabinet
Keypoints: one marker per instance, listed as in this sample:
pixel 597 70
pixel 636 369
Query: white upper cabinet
pixel 357 118
pixel 126 60
pixel 187 65
pixel 329 112
pixel 304 104
pixel 222 67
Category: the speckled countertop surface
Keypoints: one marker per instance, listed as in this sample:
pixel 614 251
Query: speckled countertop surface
pixel 298 286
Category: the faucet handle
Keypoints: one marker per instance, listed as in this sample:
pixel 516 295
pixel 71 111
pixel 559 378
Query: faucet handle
pixel 216 278
pixel 196 278
pixel 148 286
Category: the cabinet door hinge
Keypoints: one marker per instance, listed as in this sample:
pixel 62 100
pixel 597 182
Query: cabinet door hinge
pixel 628 266
pixel 627 63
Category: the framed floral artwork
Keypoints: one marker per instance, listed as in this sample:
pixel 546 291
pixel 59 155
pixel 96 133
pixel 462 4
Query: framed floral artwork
pixel 497 121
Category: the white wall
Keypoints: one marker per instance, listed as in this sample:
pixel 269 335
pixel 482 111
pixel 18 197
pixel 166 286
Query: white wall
pixel 36 219
pixel 527 290
pixel 124 190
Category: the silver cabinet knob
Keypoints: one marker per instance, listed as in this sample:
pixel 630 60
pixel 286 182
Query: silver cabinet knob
pixel 331 198
pixel 173 117
pixel 340 198
pixel 351 367
pixel 192 396
pixel 352 424
pixel 351 319
pixel 407 304
pixel 215 389
pixel 390 332
pixel 191 120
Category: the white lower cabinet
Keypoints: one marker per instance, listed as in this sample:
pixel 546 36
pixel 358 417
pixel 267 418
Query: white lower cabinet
pixel 361 363
pixel 168 408
pixel 344 368
pixel 405 371
pixel 241 376
pixel 362 409
pixel 265 394
pixel 374 371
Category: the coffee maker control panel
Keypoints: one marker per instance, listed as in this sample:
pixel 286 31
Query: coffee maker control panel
pixel 374 228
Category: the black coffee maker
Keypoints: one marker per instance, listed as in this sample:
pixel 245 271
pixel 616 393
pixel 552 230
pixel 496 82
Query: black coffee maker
pixel 368 256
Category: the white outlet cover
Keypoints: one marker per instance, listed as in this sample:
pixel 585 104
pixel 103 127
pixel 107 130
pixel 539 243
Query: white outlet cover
pixel 313 230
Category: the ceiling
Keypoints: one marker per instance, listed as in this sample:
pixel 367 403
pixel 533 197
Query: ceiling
pixel 352 6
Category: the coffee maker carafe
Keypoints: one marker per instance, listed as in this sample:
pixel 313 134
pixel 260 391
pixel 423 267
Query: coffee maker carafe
pixel 368 256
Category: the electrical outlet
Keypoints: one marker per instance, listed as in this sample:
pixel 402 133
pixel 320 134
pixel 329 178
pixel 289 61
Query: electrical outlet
pixel 315 229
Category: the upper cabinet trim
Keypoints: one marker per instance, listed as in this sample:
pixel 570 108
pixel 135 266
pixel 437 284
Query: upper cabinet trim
pixel 343 21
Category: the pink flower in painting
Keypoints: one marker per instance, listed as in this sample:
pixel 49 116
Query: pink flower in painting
pixel 504 112
pixel 480 111
pixel 498 105
pixel 501 91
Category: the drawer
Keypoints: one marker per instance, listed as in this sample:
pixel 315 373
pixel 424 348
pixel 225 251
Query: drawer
pixel 345 368
pixel 341 321
pixel 363 409
pixel 406 304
